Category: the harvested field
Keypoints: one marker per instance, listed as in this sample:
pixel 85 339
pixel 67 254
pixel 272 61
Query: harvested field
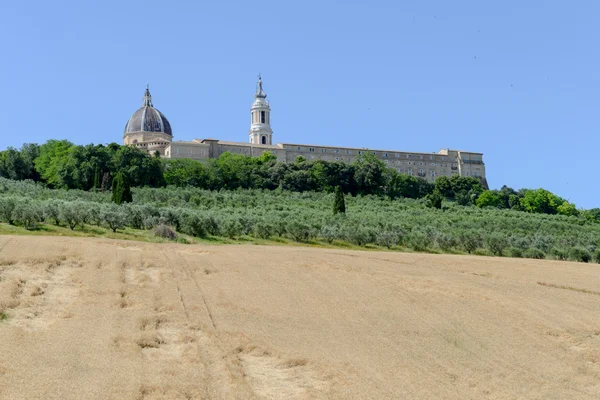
pixel 100 319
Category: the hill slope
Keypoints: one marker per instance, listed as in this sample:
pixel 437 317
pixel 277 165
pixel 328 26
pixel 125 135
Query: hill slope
pixel 93 318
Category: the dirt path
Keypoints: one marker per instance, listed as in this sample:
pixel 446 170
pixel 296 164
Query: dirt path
pixel 99 319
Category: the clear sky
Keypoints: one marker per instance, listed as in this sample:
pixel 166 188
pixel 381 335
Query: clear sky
pixel 515 80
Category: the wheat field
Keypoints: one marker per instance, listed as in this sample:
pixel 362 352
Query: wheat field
pixel 88 318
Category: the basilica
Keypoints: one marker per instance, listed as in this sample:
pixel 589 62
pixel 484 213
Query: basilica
pixel 149 129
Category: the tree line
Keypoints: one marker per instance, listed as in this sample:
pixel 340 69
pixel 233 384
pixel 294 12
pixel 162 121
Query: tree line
pixel 60 164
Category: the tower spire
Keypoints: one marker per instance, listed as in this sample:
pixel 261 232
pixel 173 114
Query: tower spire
pixel 260 93
pixel 147 97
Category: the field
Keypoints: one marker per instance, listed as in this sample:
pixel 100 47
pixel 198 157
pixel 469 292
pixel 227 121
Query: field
pixel 106 319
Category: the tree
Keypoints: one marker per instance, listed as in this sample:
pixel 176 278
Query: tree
pixel 114 217
pixel 369 173
pixel 567 208
pixel 489 198
pixel 121 191
pixel 339 204
pixel 434 200
pixel 540 201
pixel 470 240
pixel 443 185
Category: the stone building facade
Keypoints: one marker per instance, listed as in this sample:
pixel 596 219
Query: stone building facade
pixel 148 129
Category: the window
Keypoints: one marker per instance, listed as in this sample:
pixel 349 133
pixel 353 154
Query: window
pixel 337 150
pixel 467 173
pixel 432 173
pixel 385 154
pixel 410 172
pixel 263 139
pixel 190 151
pixel 421 171
pixel 360 152
pixel 431 157
pixel 396 155
pixel 311 149
pixel 348 152
pixel 263 118
pixel 323 150
pixel 299 148
pixel 337 158
pixel 420 157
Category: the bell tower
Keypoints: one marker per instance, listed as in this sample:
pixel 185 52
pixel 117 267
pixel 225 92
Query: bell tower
pixel 260 125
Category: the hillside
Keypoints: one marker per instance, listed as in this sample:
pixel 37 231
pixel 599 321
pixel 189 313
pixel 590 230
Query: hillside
pixel 96 318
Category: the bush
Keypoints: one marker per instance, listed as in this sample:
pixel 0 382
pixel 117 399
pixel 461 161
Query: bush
pixel 263 230
pixel 7 206
pixel 298 231
pixel 330 233
pixel 387 239
pixel 359 235
pixel 559 254
pixel 580 254
pixel 470 240
pixel 232 228
pixel 597 255
pixel 445 241
pixel 71 213
pixel 164 231
pixel 542 241
pixel 27 214
pixel 534 253
pixel 51 210
pixel 515 252
pixel 114 217
pixel 339 205
pixel 496 242
pixel 418 240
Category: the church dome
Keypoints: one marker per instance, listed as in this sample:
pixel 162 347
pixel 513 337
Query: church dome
pixel 148 119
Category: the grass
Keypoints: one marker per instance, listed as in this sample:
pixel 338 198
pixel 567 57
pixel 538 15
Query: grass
pixel 3 316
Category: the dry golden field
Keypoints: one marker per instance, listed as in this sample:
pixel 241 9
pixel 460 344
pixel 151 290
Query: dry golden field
pixel 101 319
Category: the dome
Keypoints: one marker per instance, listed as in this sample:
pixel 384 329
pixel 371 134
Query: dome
pixel 148 119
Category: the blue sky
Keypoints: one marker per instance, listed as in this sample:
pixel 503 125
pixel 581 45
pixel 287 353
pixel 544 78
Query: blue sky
pixel 517 81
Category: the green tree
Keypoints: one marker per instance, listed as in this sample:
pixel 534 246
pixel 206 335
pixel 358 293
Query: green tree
pixel 434 200
pixel 489 198
pixel 369 174
pixel 339 204
pixel 121 190
pixel 540 201
pixel 567 208
pixel 443 185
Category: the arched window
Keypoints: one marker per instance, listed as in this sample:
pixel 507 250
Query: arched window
pixel 264 139
pixel 263 118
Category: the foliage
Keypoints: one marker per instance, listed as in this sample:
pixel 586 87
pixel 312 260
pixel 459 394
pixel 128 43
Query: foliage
pixel 434 200
pixel 580 254
pixel 339 205
pixel 121 190
pixel 488 199
pixel 165 231
pixel 496 242
pixel 534 253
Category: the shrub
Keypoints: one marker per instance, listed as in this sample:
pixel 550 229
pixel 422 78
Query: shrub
pixel 496 242
pixel 330 233
pixel 580 254
pixel 417 239
pixel 298 231
pixel 28 214
pixel 114 217
pixel 470 240
pixel 534 253
pixel 7 206
pixel 232 228
pixel 520 242
pixel 51 210
pixel 515 252
pixel 358 235
pixel 542 241
pixel 71 214
pixel 164 231
pixel 434 200
pixel 387 239
pixel 559 254
pixel 193 225
pixel 263 230
pixel 597 255
pixel 445 241
pixel 150 222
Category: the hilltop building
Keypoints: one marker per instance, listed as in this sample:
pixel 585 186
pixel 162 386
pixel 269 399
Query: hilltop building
pixel 150 130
